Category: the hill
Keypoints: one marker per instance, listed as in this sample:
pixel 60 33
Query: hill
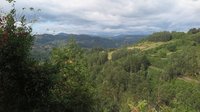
pixel 158 73
pixel 161 73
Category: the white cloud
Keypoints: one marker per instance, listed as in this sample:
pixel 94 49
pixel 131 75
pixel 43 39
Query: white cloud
pixel 113 16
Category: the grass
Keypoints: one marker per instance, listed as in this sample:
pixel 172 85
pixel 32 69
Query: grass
pixel 148 45
pixel 189 80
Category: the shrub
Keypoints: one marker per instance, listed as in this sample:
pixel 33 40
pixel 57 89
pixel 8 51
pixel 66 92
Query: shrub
pixel 171 48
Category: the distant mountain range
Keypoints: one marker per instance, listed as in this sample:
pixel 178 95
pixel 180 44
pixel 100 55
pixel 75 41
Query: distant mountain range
pixel 86 41
pixel 45 42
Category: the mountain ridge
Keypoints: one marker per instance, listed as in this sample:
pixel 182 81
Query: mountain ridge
pixel 88 41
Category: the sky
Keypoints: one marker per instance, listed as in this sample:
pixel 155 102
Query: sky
pixel 110 17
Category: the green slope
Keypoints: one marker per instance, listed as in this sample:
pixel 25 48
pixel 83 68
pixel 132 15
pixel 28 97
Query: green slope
pixel 162 70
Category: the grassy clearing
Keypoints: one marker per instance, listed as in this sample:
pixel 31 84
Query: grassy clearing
pixel 148 45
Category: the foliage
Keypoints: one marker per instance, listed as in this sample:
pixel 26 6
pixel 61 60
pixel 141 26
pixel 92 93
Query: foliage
pixel 72 90
pixel 160 37
pixel 194 31
pixel 30 86
pixel 122 53
pixel 171 48
pixel 177 35
pixel 155 75
pixel 24 83
pixel 134 63
pixel 183 63
pixel 160 78
pixel 97 57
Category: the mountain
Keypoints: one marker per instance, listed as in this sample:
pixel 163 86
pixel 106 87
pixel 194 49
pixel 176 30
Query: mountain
pixel 86 41
pixel 128 39
pixel 45 42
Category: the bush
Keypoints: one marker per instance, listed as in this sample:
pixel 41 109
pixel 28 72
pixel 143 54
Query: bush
pixel 163 54
pixel 171 48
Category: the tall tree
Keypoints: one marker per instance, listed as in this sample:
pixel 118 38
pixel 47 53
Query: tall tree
pixel 24 86
pixel 72 91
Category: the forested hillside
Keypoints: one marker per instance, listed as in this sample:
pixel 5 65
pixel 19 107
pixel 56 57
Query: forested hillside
pixel 160 73
pixel 157 74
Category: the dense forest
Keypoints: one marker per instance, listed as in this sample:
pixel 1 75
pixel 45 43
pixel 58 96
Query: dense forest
pixel 157 74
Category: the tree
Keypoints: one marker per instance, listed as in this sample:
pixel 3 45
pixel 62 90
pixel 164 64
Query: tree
pixel 194 31
pixel 160 37
pixel 72 91
pixel 133 63
pixel 24 84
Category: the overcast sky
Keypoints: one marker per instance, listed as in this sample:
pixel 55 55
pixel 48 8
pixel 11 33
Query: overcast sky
pixel 112 16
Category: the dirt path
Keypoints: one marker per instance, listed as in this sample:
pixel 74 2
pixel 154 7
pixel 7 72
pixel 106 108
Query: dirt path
pixel 110 55
pixel 188 79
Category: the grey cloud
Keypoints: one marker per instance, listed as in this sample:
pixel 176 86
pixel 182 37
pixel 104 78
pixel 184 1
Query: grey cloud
pixel 113 16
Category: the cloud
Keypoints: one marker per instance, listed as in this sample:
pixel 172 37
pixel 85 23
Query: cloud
pixel 112 16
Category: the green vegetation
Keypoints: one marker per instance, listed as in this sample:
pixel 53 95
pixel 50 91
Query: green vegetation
pixel 150 76
pixel 26 85
pixel 160 37
pixel 160 73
